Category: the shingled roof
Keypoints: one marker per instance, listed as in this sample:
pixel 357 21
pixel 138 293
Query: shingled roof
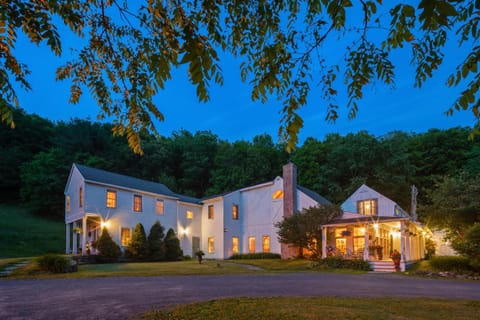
pixel 312 194
pixel 120 180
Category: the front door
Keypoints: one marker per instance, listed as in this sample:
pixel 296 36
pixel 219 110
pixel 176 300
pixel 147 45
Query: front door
pixel 341 245
pixel 195 245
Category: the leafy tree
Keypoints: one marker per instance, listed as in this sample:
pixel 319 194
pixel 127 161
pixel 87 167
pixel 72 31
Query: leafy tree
pixel 43 182
pixel 107 247
pixel 19 145
pixel 156 244
pixel 304 229
pixel 173 251
pixel 455 204
pixel 455 207
pixel 470 245
pixel 130 50
pixel 138 247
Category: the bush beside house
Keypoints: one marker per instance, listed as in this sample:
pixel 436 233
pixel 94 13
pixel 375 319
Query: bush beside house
pixel 109 250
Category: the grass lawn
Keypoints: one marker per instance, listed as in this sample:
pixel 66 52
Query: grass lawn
pixel 25 235
pixel 189 267
pixel 322 308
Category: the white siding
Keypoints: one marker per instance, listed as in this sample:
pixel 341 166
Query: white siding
pixel 75 181
pixel 386 207
pixel 188 228
pixel 213 228
pixel 233 228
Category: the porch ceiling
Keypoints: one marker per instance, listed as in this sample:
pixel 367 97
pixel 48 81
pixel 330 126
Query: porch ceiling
pixel 364 220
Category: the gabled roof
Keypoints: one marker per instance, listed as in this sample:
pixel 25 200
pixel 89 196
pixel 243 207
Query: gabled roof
pixel 123 181
pixel 312 194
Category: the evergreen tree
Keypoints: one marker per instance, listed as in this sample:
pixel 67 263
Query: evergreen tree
pixel 107 247
pixel 138 247
pixel 156 244
pixel 173 251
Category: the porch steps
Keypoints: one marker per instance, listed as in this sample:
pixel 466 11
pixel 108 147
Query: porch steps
pixel 382 266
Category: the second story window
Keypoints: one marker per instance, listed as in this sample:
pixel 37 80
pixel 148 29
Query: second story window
pixel 211 212
pixel 159 207
pixel 368 207
pixel 189 215
pixel 137 203
pixel 111 199
pixel 67 203
pixel 80 197
pixel 235 212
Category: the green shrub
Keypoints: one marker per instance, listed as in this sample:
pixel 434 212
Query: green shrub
pixel 109 250
pixel 138 247
pixel 173 251
pixel 55 263
pixel 340 263
pixel 259 255
pixel 454 264
pixel 156 245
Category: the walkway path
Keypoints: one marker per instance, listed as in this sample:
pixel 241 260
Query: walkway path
pixel 119 298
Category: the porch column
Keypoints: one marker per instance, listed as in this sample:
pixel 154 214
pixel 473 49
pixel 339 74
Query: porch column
pixel 324 242
pixel 402 246
pixel 84 235
pixel 67 238
pixel 366 250
pixel 75 236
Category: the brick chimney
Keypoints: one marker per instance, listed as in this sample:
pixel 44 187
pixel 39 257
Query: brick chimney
pixel 289 203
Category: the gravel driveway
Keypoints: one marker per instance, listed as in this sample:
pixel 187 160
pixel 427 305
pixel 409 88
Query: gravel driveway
pixel 121 297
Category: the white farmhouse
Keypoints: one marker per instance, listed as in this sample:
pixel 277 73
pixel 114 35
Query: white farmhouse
pixel 242 221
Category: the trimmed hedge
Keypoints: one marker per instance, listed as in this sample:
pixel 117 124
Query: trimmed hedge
pixel 259 255
pixel 55 263
pixel 340 263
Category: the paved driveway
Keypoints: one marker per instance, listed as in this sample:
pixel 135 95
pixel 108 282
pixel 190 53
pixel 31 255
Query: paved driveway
pixel 118 298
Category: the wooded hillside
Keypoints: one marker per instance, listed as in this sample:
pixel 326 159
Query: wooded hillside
pixel 37 155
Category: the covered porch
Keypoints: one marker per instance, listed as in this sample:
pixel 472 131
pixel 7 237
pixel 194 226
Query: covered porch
pixel 374 239
pixel 80 234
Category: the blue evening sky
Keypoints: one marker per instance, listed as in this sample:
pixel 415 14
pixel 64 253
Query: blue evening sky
pixel 232 115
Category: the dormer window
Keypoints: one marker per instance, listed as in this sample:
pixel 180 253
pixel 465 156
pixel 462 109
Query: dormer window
pixel 368 207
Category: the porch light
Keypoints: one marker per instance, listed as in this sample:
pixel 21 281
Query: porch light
pixel 183 231
pixel 375 226
pixel 105 224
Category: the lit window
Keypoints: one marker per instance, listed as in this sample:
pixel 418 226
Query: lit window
pixel 211 212
pixel 266 244
pixel 235 212
pixel 67 203
pixel 358 231
pixel 159 207
pixel 137 203
pixel 80 197
pixel 367 207
pixel 189 215
pixel 251 244
pixel 111 199
pixel 126 236
pixel 277 195
pixel 235 245
pixel 211 245
pixel 358 245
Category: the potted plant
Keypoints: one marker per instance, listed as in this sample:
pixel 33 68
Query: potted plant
pixel 199 254
pixel 396 257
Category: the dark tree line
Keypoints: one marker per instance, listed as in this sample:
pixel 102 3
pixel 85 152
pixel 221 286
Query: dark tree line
pixel 37 155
